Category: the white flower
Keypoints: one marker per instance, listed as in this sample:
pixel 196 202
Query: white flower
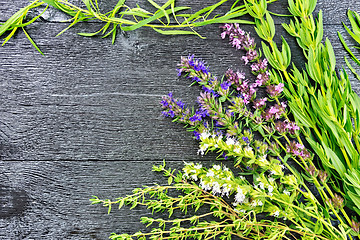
pixel 203 148
pixel 225 168
pixel 210 173
pixel 204 186
pixel 286 192
pixel 204 135
pixel 230 141
pixel 217 167
pixel 237 149
pixel 198 166
pixel 239 197
pixel 226 190
pixel 216 188
pixel 270 188
pixel 261 185
pixel 262 158
pixel 260 203
pixel 194 177
pixel 276 214
pixel 248 150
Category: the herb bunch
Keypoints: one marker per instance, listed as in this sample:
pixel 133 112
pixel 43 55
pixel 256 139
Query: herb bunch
pixel 168 18
pixel 320 99
pixel 258 136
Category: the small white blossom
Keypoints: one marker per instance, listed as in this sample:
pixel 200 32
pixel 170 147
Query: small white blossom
pixel 204 135
pixel 226 190
pixel 263 158
pixel 217 167
pixel 210 173
pixel 286 192
pixel 204 186
pixel 239 197
pixel 270 188
pixel 261 186
pixel 237 149
pixel 198 166
pixel 260 203
pixel 216 188
pixel 276 214
pixel 194 177
pixel 230 141
pixel 203 149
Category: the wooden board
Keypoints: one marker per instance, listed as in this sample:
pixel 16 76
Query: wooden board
pixel 85 119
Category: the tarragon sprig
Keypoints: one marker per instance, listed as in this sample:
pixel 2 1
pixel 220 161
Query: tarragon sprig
pixel 168 18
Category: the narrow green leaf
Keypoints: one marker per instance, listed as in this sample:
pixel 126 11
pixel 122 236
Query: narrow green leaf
pixel 72 24
pixel 177 32
pixel 151 19
pixel 32 42
pixel 14 18
pixel 161 9
pixel 335 160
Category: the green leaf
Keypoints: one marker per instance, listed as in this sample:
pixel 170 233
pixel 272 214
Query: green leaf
pixel 32 42
pixel 286 53
pixel 161 9
pixel 151 19
pixel 170 180
pixel 331 54
pixel 355 198
pixel 270 57
pixel 319 30
pixel 319 228
pixel 14 18
pixel 335 161
pixel 177 32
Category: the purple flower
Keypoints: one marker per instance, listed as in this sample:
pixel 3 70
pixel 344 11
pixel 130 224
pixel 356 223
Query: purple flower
pixel 225 85
pixel 196 135
pixel 246 140
pixel 180 104
pixel 260 103
pixel 275 90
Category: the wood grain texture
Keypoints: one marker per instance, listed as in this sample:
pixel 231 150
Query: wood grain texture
pixel 50 200
pixel 89 100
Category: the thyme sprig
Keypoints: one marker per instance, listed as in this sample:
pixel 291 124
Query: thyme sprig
pixel 232 222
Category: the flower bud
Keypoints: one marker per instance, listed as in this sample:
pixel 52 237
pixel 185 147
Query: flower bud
pixel 322 176
pixel 355 226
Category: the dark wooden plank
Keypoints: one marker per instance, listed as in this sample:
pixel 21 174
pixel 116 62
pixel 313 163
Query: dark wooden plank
pixel 88 99
pixel 50 200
